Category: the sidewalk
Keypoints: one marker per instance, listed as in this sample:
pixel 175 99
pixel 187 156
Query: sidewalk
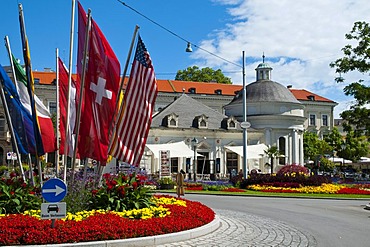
pixel 229 229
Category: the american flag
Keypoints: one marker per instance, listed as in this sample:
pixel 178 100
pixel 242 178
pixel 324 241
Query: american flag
pixel 135 117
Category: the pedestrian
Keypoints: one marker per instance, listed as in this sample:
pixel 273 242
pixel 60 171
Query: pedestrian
pixel 180 183
pixel 241 172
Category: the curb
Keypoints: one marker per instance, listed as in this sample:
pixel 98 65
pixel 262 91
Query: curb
pixel 148 241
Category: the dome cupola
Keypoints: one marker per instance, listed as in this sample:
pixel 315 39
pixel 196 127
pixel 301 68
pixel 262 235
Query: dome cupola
pixel 263 70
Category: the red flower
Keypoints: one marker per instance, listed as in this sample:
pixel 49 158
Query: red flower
pixel 26 230
pixel 134 185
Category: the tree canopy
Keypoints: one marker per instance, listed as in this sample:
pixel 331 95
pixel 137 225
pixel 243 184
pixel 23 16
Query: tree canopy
pixel 356 58
pixel 202 75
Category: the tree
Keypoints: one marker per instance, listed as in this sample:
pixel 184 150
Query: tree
pixel 356 58
pixel 353 148
pixel 272 152
pixel 317 149
pixel 335 140
pixel 313 147
pixel 350 147
pixel 203 75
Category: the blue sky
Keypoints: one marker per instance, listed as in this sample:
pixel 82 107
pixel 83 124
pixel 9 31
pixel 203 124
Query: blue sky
pixel 298 38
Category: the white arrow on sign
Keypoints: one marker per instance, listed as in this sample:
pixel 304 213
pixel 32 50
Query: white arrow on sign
pixel 57 190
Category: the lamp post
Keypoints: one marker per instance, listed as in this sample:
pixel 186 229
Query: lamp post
pixel 195 142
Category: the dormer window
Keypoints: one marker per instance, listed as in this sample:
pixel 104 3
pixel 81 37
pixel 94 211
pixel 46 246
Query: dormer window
pixel 173 123
pixel 231 123
pixel 201 122
pixel 218 91
pixel 311 97
pixel 171 120
pixel 192 90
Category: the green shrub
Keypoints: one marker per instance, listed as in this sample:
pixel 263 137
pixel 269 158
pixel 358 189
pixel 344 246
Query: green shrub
pixel 16 196
pixel 121 192
pixel 3 169
pixel 166 180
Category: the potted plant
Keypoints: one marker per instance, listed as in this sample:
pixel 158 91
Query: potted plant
pixel 166 183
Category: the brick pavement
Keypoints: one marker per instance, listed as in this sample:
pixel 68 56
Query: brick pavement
pixel 240 229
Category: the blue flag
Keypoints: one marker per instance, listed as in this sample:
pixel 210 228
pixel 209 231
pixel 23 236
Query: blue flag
pixel 21 119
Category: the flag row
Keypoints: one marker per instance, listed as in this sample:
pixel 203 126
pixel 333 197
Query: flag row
pixel 94 121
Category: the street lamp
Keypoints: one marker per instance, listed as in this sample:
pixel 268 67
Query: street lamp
pixel 195 142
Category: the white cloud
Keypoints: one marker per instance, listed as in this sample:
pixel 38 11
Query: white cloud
pixel 299 39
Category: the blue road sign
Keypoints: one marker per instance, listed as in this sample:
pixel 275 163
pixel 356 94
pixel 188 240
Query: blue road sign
pixel 54 190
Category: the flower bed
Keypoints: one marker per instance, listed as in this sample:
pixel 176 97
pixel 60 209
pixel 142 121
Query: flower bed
pixel 323 189
pixel 20 229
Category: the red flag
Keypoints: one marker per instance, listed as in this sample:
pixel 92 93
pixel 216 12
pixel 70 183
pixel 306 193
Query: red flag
pixel 63 98
pixel 133 122
pixel 101 89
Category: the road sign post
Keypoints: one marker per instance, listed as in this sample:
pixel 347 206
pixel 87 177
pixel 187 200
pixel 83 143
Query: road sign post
pixel 53 191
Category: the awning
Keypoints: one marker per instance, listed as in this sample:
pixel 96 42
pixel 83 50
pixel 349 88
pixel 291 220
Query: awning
pixel 177 149
pixel 339 160
pixel 253 151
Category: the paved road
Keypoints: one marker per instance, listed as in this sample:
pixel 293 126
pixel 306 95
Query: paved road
pixel 263 221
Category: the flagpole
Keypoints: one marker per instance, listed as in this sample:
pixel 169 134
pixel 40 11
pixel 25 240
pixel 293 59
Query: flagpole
pixel 7 44
pixel 66 141
pixel 84 63
pixel 30 88
pixel 19 158
pixel 58 115
pixel 118 108
pixel 7 114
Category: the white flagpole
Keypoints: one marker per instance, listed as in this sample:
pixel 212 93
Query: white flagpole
pixel 84 63
pixel 58 114
pixel 7 44
pixel 69 92
pixel 118 108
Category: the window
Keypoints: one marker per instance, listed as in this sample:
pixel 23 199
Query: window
pixel 36 81
pixel 2 124
pixel 282 150
pixel 312 120
pixel 200 122
pixel 324 120
pixel 311 97
pixel 192 90
pixel 172 122
pixel 174 165
pixel 53 108
pixel 203 123
pixel 231 162
pixel 218 91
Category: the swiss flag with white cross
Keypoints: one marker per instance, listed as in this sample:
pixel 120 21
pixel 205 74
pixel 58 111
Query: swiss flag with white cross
pixel 101 89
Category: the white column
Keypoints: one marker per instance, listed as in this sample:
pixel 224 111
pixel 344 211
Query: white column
pixel 268 136
pixel 301 154
pixel 295 147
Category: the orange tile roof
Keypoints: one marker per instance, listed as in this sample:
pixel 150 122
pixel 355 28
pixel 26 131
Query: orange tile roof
pixel 173 86
pixel 302 94
pixel 46 78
